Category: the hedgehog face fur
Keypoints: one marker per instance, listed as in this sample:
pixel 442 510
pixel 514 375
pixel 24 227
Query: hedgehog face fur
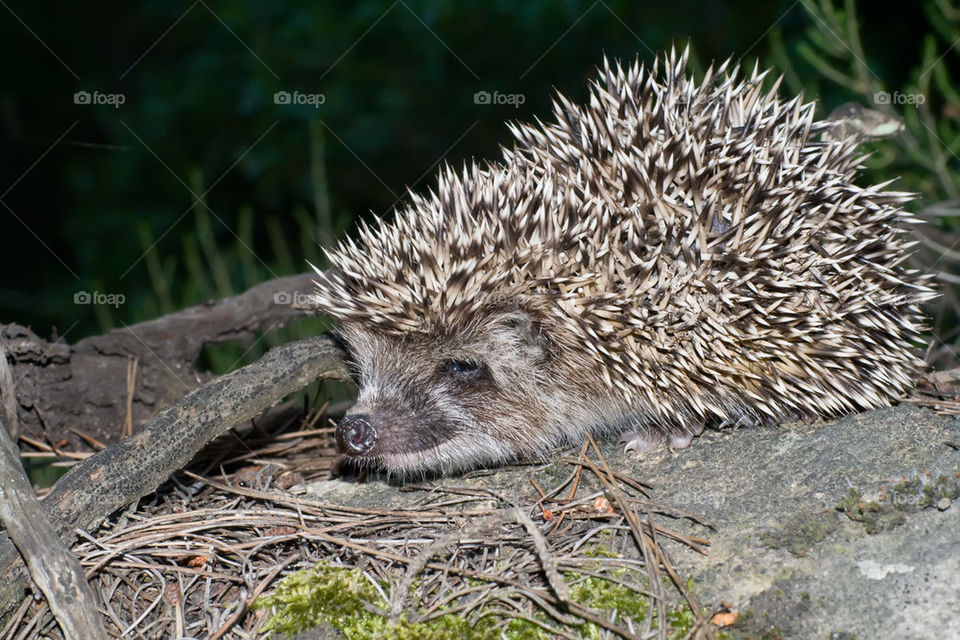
pixel 668 257
pixel 461 397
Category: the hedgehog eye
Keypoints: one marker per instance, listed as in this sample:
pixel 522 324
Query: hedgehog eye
pixel 462 369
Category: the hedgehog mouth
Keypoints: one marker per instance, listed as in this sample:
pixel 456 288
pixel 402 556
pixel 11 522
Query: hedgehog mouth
pixel 412 460
pixel 451 455
pixel 408 462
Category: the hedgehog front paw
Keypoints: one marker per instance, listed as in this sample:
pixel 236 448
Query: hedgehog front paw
pixel 683 439
pixel 643 442
pixel 679 441
pixel 640 443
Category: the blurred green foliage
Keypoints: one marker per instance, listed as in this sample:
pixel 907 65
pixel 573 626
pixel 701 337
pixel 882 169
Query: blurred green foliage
pixel 200 185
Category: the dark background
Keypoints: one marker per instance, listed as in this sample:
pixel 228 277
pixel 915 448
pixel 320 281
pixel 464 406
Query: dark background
pixel 103 198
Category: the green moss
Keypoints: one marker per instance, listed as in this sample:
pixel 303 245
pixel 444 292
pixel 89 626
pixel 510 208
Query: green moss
pixel 341 597
pixel 610 596
pixel 597 593
pixel 899 498
pixel 681 620
pixel 325 593
pixel 923 490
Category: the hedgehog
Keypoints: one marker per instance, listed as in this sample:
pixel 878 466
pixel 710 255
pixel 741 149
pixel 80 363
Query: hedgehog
pixel 671 255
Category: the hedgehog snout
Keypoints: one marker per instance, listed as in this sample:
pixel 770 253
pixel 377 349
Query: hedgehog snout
pixel 356 435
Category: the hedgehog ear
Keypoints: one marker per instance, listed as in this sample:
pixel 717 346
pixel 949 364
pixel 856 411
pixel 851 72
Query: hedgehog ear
pixel 526 327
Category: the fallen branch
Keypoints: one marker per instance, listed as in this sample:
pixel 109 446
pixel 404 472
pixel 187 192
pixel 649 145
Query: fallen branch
pixel 53 568
pixel 127 375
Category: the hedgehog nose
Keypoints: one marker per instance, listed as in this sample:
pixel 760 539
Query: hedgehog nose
pixel 355 434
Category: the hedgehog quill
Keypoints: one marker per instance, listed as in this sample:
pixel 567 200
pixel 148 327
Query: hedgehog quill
pixel 670 256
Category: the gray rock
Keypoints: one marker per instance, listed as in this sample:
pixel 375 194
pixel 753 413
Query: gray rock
pixel 787 558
